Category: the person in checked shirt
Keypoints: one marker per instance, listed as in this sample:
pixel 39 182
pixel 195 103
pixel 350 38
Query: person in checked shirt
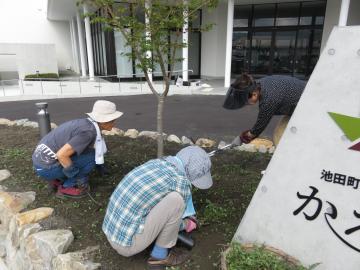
pixel 276 95
pixel 149 202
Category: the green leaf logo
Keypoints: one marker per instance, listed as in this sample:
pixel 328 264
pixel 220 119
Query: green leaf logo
pixel 350 126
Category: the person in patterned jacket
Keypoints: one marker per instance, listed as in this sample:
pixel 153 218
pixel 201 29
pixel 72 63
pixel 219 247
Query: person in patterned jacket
pixel 276 95
pixel 149 203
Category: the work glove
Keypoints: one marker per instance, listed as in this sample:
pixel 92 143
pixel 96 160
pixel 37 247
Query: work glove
pixel 245 137
pixel 102 170
pixel 71 171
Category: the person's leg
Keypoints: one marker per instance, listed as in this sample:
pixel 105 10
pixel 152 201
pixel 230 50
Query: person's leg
pixel 279 129
pixel 51 173
pixel 86 163
pixel 162 222
pixel 54 176
pixel 78 186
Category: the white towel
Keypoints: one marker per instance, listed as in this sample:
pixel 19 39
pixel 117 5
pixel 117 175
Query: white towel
pixel 100 146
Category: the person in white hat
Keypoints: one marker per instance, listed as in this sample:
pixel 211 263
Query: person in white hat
pixel 149 203
pixel 67 155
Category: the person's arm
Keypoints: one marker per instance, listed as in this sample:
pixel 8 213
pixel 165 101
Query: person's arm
pixel 64 155
pixel 266 112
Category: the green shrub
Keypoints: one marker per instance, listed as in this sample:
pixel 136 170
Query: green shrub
pixel 42 76
pixel 258 258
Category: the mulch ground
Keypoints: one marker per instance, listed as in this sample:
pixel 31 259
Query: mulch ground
pixel 219 209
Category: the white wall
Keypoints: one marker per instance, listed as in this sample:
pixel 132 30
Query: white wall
pixel 213 42
pixel 27 58
pixel 25 21
pixel 331 19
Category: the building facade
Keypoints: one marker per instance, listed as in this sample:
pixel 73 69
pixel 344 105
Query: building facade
pixel 260 37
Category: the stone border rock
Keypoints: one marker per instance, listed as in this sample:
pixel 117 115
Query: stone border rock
pixel 23 243
pixel 258 145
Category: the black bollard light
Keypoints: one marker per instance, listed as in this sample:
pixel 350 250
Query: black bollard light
pixel 43 118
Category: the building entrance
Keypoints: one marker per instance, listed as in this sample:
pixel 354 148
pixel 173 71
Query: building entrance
pixel 279 38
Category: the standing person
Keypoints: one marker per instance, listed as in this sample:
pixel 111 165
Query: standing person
pixel 276 95
pixel 66 156
pixel 148 205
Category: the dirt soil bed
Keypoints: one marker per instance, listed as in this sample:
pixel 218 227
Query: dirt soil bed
pixel 236 176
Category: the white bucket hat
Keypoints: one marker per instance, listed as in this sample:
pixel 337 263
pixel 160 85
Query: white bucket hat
pixel 104 111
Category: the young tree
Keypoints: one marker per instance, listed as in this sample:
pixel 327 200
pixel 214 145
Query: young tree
pixel 149 37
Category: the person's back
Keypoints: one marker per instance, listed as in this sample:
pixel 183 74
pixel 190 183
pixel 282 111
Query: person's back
pixel 79 133
pixel 280 91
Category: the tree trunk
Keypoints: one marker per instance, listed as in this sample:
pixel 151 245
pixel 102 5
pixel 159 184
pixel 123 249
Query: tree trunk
pixel 160 138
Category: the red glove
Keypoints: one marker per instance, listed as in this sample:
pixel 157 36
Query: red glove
pixel 246 137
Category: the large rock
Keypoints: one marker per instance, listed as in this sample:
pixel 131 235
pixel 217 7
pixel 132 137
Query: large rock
pixel 262 149
pixel 150 134
pixel 12 203
pixel 206 143
pixel 249 148
pixel 31 124
pixel 131 133
pixel 21 122
pixel 4 174
pixel 114 131
pixel 34 215
pixel 186 140
pixel 261 142
pixel 173 138
pixel 4 121
pixel 221 144
pixel 80 260
pixel 16 257
pixel 42 247
pixel 3 266
pixel 53 125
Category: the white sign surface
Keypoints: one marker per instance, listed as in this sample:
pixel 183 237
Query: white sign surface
pixel 308 202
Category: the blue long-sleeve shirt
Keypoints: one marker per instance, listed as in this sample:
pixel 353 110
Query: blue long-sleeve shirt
pixel 279 95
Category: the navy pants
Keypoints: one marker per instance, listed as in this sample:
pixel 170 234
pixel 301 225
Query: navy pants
pixel 85 162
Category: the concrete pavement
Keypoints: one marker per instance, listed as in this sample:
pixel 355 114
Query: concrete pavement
pixel 190 115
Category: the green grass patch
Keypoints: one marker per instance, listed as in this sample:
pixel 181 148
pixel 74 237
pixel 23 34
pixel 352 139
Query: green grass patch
pixel 258 258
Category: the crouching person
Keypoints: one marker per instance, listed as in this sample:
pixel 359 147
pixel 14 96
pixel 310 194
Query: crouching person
pixel 148 204
pixel 66 156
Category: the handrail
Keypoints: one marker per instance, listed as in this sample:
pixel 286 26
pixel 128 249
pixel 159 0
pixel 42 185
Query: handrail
pixel 59 87
pixel 120 76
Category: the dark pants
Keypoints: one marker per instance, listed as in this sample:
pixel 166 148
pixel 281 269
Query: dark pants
pixel 85 162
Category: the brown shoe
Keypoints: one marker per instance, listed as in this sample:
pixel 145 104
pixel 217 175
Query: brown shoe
pixel 176 256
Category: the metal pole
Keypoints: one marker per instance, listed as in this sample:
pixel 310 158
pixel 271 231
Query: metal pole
pixel 229 37
pixel 43 118
pixel 344 11
pixel 3 87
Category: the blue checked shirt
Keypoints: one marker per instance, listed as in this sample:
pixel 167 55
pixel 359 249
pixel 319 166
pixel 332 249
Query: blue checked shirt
pixel 134 197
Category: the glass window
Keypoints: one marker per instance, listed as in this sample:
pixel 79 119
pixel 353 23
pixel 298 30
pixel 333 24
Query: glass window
pixel 123 63
pixel 302 53
pixel 194 51
pixel 284 52
pixel 287 14
pixel 242 16
pixel 178 54
pixel 196 23
pixel 124 6
pixel 140 14
pixel 313 12
pixel 260 52
pixel 264 15
pixel 240 52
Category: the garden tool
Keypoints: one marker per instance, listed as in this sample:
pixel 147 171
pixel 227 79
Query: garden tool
pixel 186 240
pixel 228 146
